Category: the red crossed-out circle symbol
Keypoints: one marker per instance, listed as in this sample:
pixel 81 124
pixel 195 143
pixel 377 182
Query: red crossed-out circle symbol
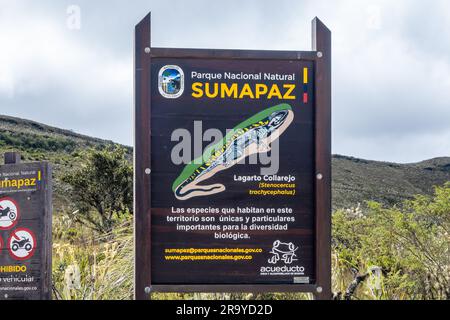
pixel 22 244
pixel 9 213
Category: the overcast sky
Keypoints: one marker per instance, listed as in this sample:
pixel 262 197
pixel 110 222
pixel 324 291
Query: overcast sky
pixel 391 63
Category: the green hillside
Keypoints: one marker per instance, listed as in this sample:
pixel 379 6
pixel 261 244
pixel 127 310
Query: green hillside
pixel 357 180
pixel 390 239
pixel 354 180
pixel 36 142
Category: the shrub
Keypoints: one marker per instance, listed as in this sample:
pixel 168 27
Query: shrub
pixel 410 244
pixel 102 189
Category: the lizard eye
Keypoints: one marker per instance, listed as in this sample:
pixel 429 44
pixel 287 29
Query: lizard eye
pixel 276 121
pixel 277 118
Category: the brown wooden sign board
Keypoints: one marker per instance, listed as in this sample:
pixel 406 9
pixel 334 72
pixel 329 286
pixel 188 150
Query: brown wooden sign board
pixel 208 223
pixel 25 229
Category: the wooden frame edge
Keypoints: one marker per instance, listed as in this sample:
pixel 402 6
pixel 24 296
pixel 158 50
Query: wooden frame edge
pixel 322 46
pixel 321 55
pixel 142 186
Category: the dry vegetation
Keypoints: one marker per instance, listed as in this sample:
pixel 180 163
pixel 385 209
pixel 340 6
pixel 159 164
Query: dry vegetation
pixel 382 253
pixel 394 248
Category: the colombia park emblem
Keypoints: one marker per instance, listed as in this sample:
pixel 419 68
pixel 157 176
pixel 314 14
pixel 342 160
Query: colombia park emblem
pixel 171 82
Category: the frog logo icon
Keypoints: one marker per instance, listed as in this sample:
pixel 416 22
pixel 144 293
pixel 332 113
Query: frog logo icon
pixel 283 252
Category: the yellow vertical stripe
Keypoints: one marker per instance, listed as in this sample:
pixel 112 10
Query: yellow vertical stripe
pixel 39 175
pixel 305 75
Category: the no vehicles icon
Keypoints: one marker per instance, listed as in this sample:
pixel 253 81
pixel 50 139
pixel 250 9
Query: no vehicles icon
pixel 9 213
pixel 22 244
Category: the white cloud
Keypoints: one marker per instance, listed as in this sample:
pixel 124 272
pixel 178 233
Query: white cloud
pixel 391 66
pixel 39 53
pixel 45 63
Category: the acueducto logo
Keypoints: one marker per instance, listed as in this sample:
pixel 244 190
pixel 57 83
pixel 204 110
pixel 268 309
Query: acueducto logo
pixel 283 253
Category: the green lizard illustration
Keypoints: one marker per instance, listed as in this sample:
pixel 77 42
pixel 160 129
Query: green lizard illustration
pixel 249 137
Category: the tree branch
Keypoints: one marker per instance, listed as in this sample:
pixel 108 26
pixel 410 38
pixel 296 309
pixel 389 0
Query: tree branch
pixel 354 285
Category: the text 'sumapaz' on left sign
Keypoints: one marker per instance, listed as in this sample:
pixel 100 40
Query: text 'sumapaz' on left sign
pixel 25 231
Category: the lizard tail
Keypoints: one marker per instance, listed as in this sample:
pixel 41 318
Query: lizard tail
pixel 187 192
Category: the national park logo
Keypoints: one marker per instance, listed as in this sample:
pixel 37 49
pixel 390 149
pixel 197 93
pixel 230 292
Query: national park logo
pixel 171 82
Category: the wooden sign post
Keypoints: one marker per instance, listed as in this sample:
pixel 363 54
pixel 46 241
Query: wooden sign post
pixel 25 229
pixel 233 168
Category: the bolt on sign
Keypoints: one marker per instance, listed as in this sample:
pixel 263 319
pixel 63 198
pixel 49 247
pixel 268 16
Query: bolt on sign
pixel 233 168
pixel 25 229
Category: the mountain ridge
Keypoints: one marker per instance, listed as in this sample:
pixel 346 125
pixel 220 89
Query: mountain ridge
pixel 4 120
pixel 354 180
